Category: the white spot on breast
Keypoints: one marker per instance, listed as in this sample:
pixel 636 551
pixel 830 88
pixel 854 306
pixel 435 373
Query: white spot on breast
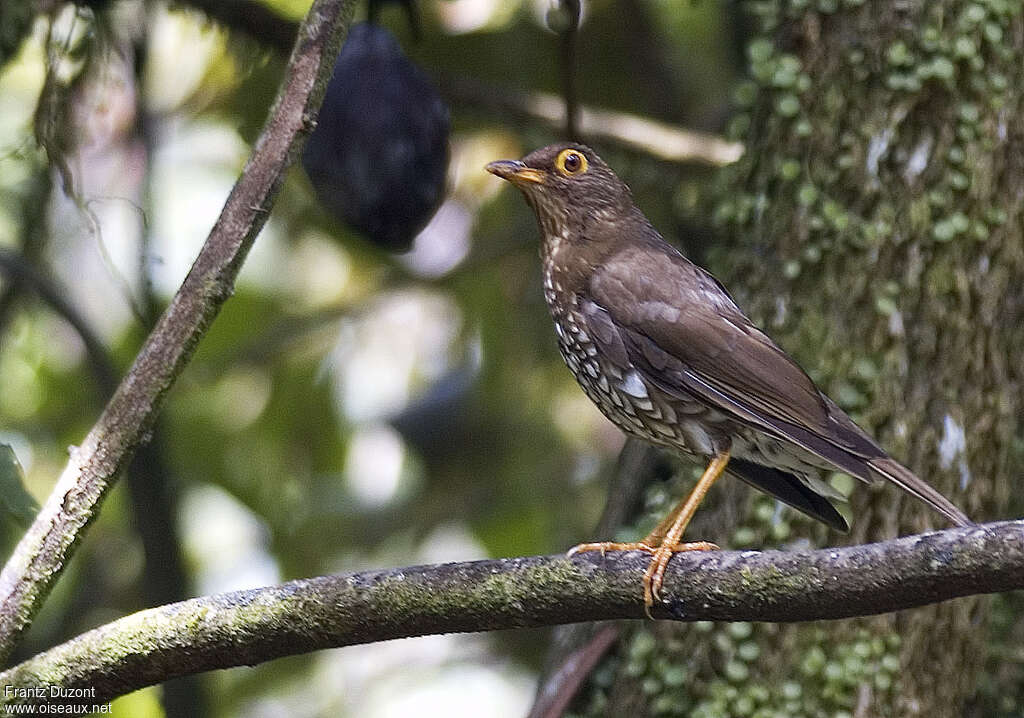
pixel 697 439
pixel 633 385
pixel 660 311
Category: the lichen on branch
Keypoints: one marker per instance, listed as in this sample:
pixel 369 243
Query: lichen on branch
pixel 253 626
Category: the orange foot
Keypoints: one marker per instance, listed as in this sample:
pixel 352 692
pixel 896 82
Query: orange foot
pixel 654 577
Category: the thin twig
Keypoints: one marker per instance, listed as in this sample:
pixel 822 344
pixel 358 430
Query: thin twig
pixel 560 686
pixel 45 549
pixel 631 132
pixel 249 627
pixel 21 271
pixel 578 648
pixel 570 43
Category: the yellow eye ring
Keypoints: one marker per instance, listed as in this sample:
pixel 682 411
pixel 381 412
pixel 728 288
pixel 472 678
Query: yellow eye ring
pixel 571 162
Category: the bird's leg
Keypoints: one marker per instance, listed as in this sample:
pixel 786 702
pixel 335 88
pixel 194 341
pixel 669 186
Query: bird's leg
pixel 663 541
pixel 667 541
pixel 657 535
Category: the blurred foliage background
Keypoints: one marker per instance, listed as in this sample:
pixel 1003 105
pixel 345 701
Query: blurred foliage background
pixel 350 408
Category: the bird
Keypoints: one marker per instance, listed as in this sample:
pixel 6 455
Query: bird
pixel 659 345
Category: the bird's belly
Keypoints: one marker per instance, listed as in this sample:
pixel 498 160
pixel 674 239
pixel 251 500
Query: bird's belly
pixel 761 448
pixel 678 421
pixel 626 399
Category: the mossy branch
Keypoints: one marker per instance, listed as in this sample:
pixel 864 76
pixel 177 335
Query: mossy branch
pixel 249 627
pixel 46 548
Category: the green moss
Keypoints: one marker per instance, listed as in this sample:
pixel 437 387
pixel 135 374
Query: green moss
pixel 787 105
pixel 807 194
pixel 899 54
pixel 789 169
pixel 856 187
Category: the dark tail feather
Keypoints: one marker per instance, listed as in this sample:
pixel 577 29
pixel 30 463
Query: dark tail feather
pixel 789 490
pixel 906 480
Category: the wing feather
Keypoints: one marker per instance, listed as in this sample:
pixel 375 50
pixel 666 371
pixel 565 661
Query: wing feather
pixel 789 490
pixel 686 335
pixel 689 335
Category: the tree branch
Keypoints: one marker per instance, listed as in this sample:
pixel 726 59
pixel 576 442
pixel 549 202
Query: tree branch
pixel 248 627
pixel 46 547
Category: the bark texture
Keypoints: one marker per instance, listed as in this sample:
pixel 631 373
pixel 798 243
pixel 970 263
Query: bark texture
pixel 44 550
pixel 874 228
pixel 248 627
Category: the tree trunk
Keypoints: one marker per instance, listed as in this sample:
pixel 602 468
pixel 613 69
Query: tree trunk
pixel 874 228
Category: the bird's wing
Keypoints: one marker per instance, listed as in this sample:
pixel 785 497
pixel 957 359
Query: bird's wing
pixel 682 331
pixel 789 490
pixel 685 334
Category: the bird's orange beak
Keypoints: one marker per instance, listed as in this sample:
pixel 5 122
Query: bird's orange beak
pixel 515 172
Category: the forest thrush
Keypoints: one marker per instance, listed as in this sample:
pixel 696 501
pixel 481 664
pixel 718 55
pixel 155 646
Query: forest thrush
pixel 661 348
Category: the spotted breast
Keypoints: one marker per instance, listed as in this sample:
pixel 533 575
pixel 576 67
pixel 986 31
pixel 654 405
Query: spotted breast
pixel 592 349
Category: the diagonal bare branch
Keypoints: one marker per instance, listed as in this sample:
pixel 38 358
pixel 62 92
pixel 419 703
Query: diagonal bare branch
pixel 45 549
pixel 249 627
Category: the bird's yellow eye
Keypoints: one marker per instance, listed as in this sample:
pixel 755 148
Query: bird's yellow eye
pixel 571 162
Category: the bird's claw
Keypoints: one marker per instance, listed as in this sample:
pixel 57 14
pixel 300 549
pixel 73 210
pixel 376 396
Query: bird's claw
pixel 605 546
pixel 661 554
pixel 654 577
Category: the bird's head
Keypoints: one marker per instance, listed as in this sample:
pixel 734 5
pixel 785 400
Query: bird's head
pixel 568 186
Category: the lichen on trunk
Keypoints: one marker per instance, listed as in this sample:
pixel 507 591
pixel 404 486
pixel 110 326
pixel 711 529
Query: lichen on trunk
pixel 874 228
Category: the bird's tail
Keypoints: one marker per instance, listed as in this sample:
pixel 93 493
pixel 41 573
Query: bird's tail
pixel 904 478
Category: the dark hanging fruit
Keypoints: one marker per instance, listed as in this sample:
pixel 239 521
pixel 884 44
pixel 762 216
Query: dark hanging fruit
pixel 378 157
